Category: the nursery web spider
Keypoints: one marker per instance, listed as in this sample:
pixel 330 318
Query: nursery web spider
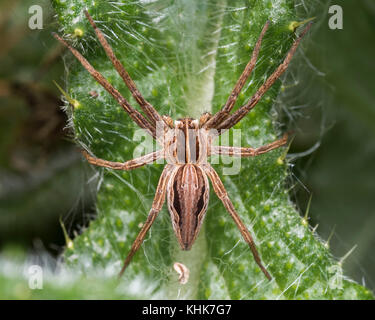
pixel 186 145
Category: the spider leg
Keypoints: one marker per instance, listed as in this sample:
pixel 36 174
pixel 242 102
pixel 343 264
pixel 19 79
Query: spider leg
pixel 157 205
pixel 248 152
pixel 242 112
pixel 223 196
pixel 137 117
pixel 128 165
pixel 224 112
pixel 150 111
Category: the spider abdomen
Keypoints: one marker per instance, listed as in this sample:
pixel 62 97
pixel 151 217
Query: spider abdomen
pixel 188 193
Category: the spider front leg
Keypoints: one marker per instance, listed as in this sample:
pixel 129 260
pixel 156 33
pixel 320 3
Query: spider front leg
pixel 157 205
pixel 150 111
pixel 136 116
pixel 223 196
pixel 128 165
pixel 232 120
pixel 224 112
pixel 248 152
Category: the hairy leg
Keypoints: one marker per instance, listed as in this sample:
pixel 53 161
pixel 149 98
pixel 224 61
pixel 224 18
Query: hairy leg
pixel 137 117
pixel 224 112
pixel 128 165
pixel 223 196
pixel 243 111
pixel 150 111
pixel 157 205
pixel 248 152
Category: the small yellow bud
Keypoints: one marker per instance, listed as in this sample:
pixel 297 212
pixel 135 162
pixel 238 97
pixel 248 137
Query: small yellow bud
pixel 78 32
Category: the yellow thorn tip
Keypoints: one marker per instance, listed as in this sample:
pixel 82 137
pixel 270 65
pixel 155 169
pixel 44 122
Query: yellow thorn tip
pixel 75 103
pixel 295 24
pixel 69 242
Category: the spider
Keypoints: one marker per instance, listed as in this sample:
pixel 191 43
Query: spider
pixel 186 145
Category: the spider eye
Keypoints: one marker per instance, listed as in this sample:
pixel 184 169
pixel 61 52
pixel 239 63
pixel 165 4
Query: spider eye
pixel 186 185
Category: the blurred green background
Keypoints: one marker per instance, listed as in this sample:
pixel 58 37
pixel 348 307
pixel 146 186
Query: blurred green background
pixel 330 108
pixel 41 175
pixel 337 124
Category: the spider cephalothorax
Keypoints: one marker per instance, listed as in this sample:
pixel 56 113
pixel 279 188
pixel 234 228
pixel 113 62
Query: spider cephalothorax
pixel 186 145
pixel 186 141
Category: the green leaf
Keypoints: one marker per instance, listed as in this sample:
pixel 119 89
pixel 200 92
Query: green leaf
pixel 35 280
pixel 185 57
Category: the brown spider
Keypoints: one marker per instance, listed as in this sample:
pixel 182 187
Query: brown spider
pixel 186 145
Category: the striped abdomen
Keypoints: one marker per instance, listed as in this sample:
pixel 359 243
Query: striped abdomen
pixel 188 193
